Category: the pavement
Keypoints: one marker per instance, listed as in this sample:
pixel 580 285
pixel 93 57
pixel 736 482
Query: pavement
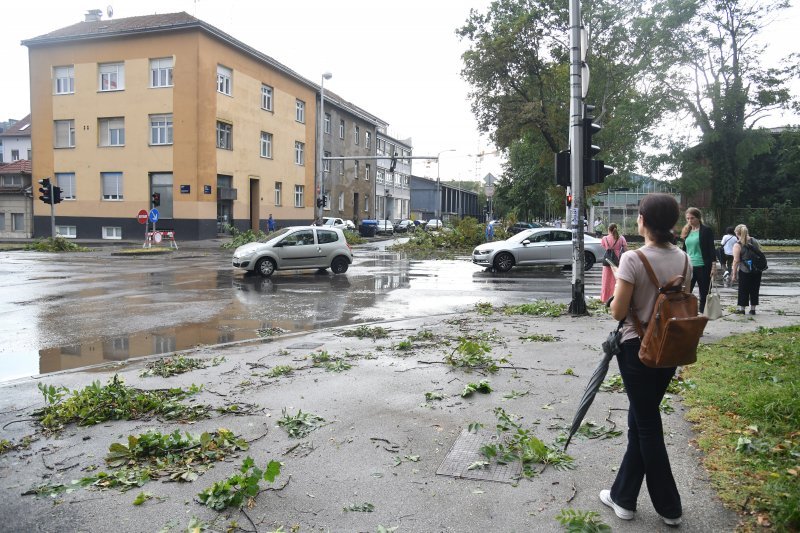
pixel 381 443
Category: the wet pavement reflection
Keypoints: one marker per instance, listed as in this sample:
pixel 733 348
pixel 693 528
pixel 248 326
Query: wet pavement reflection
pixel 66 312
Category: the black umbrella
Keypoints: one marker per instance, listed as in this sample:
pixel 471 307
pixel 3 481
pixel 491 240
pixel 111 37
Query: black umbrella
pixel 611 347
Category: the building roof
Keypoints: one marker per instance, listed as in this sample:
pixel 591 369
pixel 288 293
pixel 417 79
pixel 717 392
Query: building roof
pixel 21 128
pixel 21 166
pixel 337 100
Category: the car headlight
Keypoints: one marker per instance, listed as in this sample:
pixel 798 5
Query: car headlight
pixel 244 255
pixel 482 252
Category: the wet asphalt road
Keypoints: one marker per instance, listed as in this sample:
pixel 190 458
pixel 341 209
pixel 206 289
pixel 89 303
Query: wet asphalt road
pixel 73 310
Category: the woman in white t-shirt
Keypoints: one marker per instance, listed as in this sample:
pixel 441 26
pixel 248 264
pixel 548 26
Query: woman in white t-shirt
pixel 646 456
pixel 727 244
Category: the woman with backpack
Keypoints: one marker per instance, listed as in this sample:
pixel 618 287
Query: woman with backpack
pixel 698 242
pixel 749 277
pixel 646 456
pixel 617 244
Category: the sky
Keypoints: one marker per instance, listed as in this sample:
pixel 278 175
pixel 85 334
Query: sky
pixel 401 62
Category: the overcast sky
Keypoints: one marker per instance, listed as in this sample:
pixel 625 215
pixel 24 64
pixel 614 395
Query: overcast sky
pixel 400 61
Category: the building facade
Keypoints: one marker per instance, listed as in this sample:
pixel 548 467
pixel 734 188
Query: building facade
pixel 16 141
pixel 453 202
pixel 393 181
pixel 16 206
pixel 126 108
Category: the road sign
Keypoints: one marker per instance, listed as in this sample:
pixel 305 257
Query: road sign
pixel 142 217
pixel 157 237
pixel 154 215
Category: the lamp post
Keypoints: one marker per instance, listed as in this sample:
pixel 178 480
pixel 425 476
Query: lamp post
pixel 438 209
pixel 320 189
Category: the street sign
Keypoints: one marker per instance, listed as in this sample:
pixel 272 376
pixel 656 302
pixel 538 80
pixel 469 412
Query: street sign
pixel 157 237
pixel 154 215
pixel 142 217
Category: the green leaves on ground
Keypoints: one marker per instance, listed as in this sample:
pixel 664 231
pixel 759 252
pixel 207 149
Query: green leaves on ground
pixel 543 308
pixel 55 244
pixel 472 355
pixel 590 430
pixel 172 366
pixel 575 521
pixel 97 403
pixel 539 337
pixel 242 237
pixel 613 384
pixel 241 488
pixel 368 332
pixel 483 387
pixel 365 507
pixel 484 308
pixel 301 424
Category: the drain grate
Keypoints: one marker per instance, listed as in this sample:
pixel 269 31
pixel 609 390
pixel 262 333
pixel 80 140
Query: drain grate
pixel 466 450
pixel 304 346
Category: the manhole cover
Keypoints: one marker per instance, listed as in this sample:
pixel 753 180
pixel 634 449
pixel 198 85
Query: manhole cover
pixel 304 346
pixel 466 451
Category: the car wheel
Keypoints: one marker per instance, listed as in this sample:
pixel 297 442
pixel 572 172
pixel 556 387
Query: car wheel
pixel 339 265
pixel 588 260
pixel 503 262
pixel 265 266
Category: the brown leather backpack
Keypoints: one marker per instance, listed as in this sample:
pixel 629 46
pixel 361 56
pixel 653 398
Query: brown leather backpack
pixel 674 329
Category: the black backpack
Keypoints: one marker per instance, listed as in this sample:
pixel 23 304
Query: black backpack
pixel 755 258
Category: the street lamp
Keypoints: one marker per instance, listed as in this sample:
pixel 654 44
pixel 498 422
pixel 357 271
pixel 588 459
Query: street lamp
pixel 320 188
pixel 439 185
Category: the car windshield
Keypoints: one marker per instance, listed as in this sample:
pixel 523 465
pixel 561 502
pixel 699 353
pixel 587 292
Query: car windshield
pixel 274 235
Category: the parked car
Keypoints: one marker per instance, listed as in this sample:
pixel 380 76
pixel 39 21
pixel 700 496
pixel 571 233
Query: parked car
pixel 403 226
pixel 296 247
pixel 335 222
pixel 434 224
pixel 536 246
pixel 385 227
pixel 522 226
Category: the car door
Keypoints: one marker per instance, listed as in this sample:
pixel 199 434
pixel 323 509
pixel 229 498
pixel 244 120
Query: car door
pixel 327 243
pixel 537 251
pixel 561 247
pixel 298 250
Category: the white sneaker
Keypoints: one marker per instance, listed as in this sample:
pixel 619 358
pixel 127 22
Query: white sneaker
pixel 674 522
pixel 605 497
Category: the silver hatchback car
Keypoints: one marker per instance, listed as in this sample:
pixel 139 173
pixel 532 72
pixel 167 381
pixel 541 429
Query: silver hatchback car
pixel 296 247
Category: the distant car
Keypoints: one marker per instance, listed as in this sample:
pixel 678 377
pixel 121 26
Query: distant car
pixel 385 227
pixel 404 226
pixel 521 226
pixel 335 222
pixel 434 224
pixel 350 225
pixel 296 247
pixel 536 246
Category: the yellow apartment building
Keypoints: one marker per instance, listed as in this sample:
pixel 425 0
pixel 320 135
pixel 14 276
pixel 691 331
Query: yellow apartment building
pixel 169 105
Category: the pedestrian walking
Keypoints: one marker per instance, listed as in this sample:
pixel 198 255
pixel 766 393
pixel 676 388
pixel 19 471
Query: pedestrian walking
pixel 698 242
pixel 646 457
pixel 489 232
pixel 616 242
pixel 726 255
pixel 271 223
pixel 749 278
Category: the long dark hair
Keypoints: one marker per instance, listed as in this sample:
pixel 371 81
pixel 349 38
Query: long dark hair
pixel 660 213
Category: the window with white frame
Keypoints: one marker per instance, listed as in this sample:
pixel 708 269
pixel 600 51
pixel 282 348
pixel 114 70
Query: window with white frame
pixel 341 168
pixel 326 163
pixel 300 111
pixel 327 123
pixel 64 80
pixel 379 176
pixel 357 168
pixel 278 193
pixel 11 180
pixel 112 76
pixel 266 97
pixel 161 129
pixel 64 134
pixel 299 153
pixel 111 131
pixel 112 232
pixel 161 72
pixel 341 202
pixel 366 203
pixel 17 221
pixel 367 171
pixel 298 195
pixel 224 135
pixel 356 133
pixel 341 129
pixel 266 144
pixel 14 155
pixel 224 77
pixel 367 139
pixel 68 232
pixel 112 185
pixel 66 181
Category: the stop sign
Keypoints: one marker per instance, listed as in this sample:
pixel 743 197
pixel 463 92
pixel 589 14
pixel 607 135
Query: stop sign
pixel 142 217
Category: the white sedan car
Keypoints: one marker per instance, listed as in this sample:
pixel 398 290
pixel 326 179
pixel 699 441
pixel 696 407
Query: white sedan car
pixel 536 246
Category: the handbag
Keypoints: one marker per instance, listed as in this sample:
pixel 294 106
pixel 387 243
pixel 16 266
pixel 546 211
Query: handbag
pixel 610 257
pixel 713 309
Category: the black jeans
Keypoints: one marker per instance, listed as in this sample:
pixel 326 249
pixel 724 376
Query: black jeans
pixel 702 277
pixel 749 287
pixel 646 456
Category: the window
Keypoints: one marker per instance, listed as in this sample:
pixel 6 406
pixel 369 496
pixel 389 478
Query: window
pixel 15 155
pixel 161 72
pixel 341 168
pixel 111 131
pixel 367 171
pixel 112 76
pixel 326 164
pixel 112 232
pixel 357 167
pixel 341 202
pixel 367 139
pixel 266 97
pixel 366 203
pixel 17 221
pixel 266 145
pixel 298 195
pixel 379 177
pixel 326 236
pixel 64 134
pixel 64 80
pixel 161 129
pixel 299 153
pixel 2 221
pixel 224 75
pixel 11 180
pixel 327 123
pixel 224 135
pixel 66 180
pixel 300 111
pixel 112 185
pixel 68 232
pixel 356 134
pixel 278 192
pixel 341 129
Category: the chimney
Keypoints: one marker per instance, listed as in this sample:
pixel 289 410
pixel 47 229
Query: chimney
pixel 93 15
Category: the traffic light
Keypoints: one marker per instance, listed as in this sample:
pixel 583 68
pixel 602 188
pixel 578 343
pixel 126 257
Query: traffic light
pixel 594 171
pixel 393 163
pixel 57 195
pixel 45 190
pixel 319 202
pixel 569 200
pixel 156 199
pixel 562 168
pixel 325 201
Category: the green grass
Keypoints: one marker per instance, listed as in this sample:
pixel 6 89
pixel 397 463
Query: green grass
pixel 746 407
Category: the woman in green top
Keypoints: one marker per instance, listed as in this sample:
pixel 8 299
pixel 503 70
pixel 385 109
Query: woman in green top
pixel 698 242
